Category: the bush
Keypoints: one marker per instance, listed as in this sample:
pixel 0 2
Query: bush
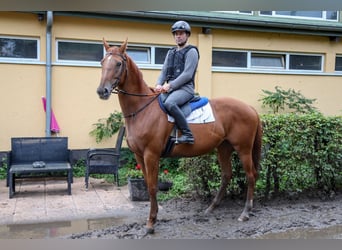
pixel 300 152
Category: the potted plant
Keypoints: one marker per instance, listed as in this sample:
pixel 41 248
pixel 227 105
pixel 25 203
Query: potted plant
pixel 164 183
pixel 136 184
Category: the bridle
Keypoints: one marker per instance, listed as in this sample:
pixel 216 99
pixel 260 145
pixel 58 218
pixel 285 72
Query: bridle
pixel 117 91
pixel 123 67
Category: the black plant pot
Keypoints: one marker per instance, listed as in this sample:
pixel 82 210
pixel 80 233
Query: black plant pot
pixel 165 186
pixel 138 190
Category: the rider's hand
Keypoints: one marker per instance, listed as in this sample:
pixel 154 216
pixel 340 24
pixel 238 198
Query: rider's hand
pixel 158 88
pixel 166 87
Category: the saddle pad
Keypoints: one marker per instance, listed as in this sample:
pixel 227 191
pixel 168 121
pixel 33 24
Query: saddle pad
pixel 200 115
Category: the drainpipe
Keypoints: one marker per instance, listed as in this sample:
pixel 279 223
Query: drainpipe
pixel 49 21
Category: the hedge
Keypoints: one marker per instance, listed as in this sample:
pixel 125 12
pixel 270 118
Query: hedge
pixel 300 152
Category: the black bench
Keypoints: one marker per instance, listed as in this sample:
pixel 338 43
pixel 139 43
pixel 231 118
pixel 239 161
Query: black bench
pixel 38 157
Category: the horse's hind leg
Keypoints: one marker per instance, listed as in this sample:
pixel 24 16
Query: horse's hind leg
pixel 224 153
pixel 251 175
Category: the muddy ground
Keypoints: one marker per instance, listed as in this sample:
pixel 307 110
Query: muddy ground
pixel 306 216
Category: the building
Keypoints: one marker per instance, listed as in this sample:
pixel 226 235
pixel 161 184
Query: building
pixel 241 53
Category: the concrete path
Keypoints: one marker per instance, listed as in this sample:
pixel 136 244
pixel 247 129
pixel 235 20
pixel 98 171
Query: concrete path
pixel 48 202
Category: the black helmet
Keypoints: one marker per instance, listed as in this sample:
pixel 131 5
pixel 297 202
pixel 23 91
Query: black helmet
pixel 181 25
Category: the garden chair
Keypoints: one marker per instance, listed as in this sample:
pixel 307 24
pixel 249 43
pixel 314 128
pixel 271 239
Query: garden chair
pixel 105 161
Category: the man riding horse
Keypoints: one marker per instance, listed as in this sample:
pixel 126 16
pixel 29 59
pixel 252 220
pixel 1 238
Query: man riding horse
pixel 178 74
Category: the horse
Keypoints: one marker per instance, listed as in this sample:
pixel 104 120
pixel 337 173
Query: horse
pixel 237 127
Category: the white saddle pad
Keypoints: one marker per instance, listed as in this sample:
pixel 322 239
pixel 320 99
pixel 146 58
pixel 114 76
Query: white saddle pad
pixel 200 115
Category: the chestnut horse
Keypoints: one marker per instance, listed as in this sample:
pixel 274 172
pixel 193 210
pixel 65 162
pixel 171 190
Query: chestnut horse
pixel 236 127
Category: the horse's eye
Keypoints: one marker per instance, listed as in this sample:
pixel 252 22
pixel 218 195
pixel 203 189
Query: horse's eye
pixel 118 64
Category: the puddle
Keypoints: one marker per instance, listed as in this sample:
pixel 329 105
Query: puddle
pixel 63 228
pixel 56 229
pixel 332 232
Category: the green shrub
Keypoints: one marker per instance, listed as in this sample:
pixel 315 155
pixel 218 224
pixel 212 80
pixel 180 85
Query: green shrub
pixel 107 127
pixel 3 168
pixel 287 100
pixel 300 152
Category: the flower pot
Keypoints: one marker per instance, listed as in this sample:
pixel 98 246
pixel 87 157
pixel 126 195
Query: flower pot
pixel 165 186
pixel 138 190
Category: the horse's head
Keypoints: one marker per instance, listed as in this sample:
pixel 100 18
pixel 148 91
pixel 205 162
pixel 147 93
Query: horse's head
pixel 113 69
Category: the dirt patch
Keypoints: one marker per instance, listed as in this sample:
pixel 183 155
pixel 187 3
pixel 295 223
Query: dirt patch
pixel 285 217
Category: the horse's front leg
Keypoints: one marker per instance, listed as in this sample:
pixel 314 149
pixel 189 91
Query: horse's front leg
pixel 151 168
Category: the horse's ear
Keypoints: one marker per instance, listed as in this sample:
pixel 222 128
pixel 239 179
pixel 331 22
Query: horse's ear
pixel 105 44
pixel 123 46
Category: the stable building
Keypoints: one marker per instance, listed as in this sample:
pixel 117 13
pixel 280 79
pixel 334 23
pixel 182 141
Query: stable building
pixel 57 55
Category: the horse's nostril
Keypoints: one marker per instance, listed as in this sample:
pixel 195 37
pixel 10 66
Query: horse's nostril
pixel 103 92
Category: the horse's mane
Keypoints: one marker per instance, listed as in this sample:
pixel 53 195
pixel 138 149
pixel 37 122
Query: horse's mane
pixel 133 66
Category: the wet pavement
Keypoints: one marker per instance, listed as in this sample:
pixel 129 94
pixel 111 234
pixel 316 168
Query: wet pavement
pixel 44 209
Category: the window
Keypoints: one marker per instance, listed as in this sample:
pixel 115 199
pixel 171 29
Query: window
pixel 323 15
pixel 253 60
pixel 248 12
pixel 305 62
pixel 160 54
pixel 139 54
pixel 13 48
pixel 79 51
pixel 229 59
pixel 338 63
pixel 91 53
pixel 267 60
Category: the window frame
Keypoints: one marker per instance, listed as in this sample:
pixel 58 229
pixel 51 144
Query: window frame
pixel 149 49
pixel 22 60
pixel 338 56
pixel 270 69
pixel 76 62
pixel 323 18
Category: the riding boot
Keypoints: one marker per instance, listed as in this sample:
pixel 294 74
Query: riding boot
pixel 182 124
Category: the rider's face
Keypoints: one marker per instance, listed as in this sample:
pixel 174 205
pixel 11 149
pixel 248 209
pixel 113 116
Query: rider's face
pixel 181 37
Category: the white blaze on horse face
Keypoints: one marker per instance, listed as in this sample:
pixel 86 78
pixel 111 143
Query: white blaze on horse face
pixel 109 58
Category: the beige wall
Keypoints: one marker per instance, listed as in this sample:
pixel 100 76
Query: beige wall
pixel 74 99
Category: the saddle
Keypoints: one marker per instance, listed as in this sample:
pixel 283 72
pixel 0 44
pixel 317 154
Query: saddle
pixel 195 103
pixel 197 110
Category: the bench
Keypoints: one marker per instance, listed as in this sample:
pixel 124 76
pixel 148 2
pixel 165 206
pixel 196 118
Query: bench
pixel 38 157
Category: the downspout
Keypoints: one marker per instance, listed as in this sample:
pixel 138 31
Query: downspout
pixel 49 21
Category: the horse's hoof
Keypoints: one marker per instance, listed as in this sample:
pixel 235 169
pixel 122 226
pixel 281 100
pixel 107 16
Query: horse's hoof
pixel 243 218
pixel 149 230
pixel 208 210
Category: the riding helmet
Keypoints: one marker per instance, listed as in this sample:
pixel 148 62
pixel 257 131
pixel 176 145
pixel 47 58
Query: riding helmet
pixel 181 25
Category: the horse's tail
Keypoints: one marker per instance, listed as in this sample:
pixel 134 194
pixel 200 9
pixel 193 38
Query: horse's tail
pixel 256 153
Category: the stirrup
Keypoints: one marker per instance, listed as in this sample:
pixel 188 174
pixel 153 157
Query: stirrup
pixel 185 140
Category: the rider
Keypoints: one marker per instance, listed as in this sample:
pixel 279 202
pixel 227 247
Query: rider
pixel 178 72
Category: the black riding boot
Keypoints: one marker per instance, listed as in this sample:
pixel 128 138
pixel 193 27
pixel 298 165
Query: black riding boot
pixel 182 124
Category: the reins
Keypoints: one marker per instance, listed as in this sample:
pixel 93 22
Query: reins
pixel 120 91
pixel 141 109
